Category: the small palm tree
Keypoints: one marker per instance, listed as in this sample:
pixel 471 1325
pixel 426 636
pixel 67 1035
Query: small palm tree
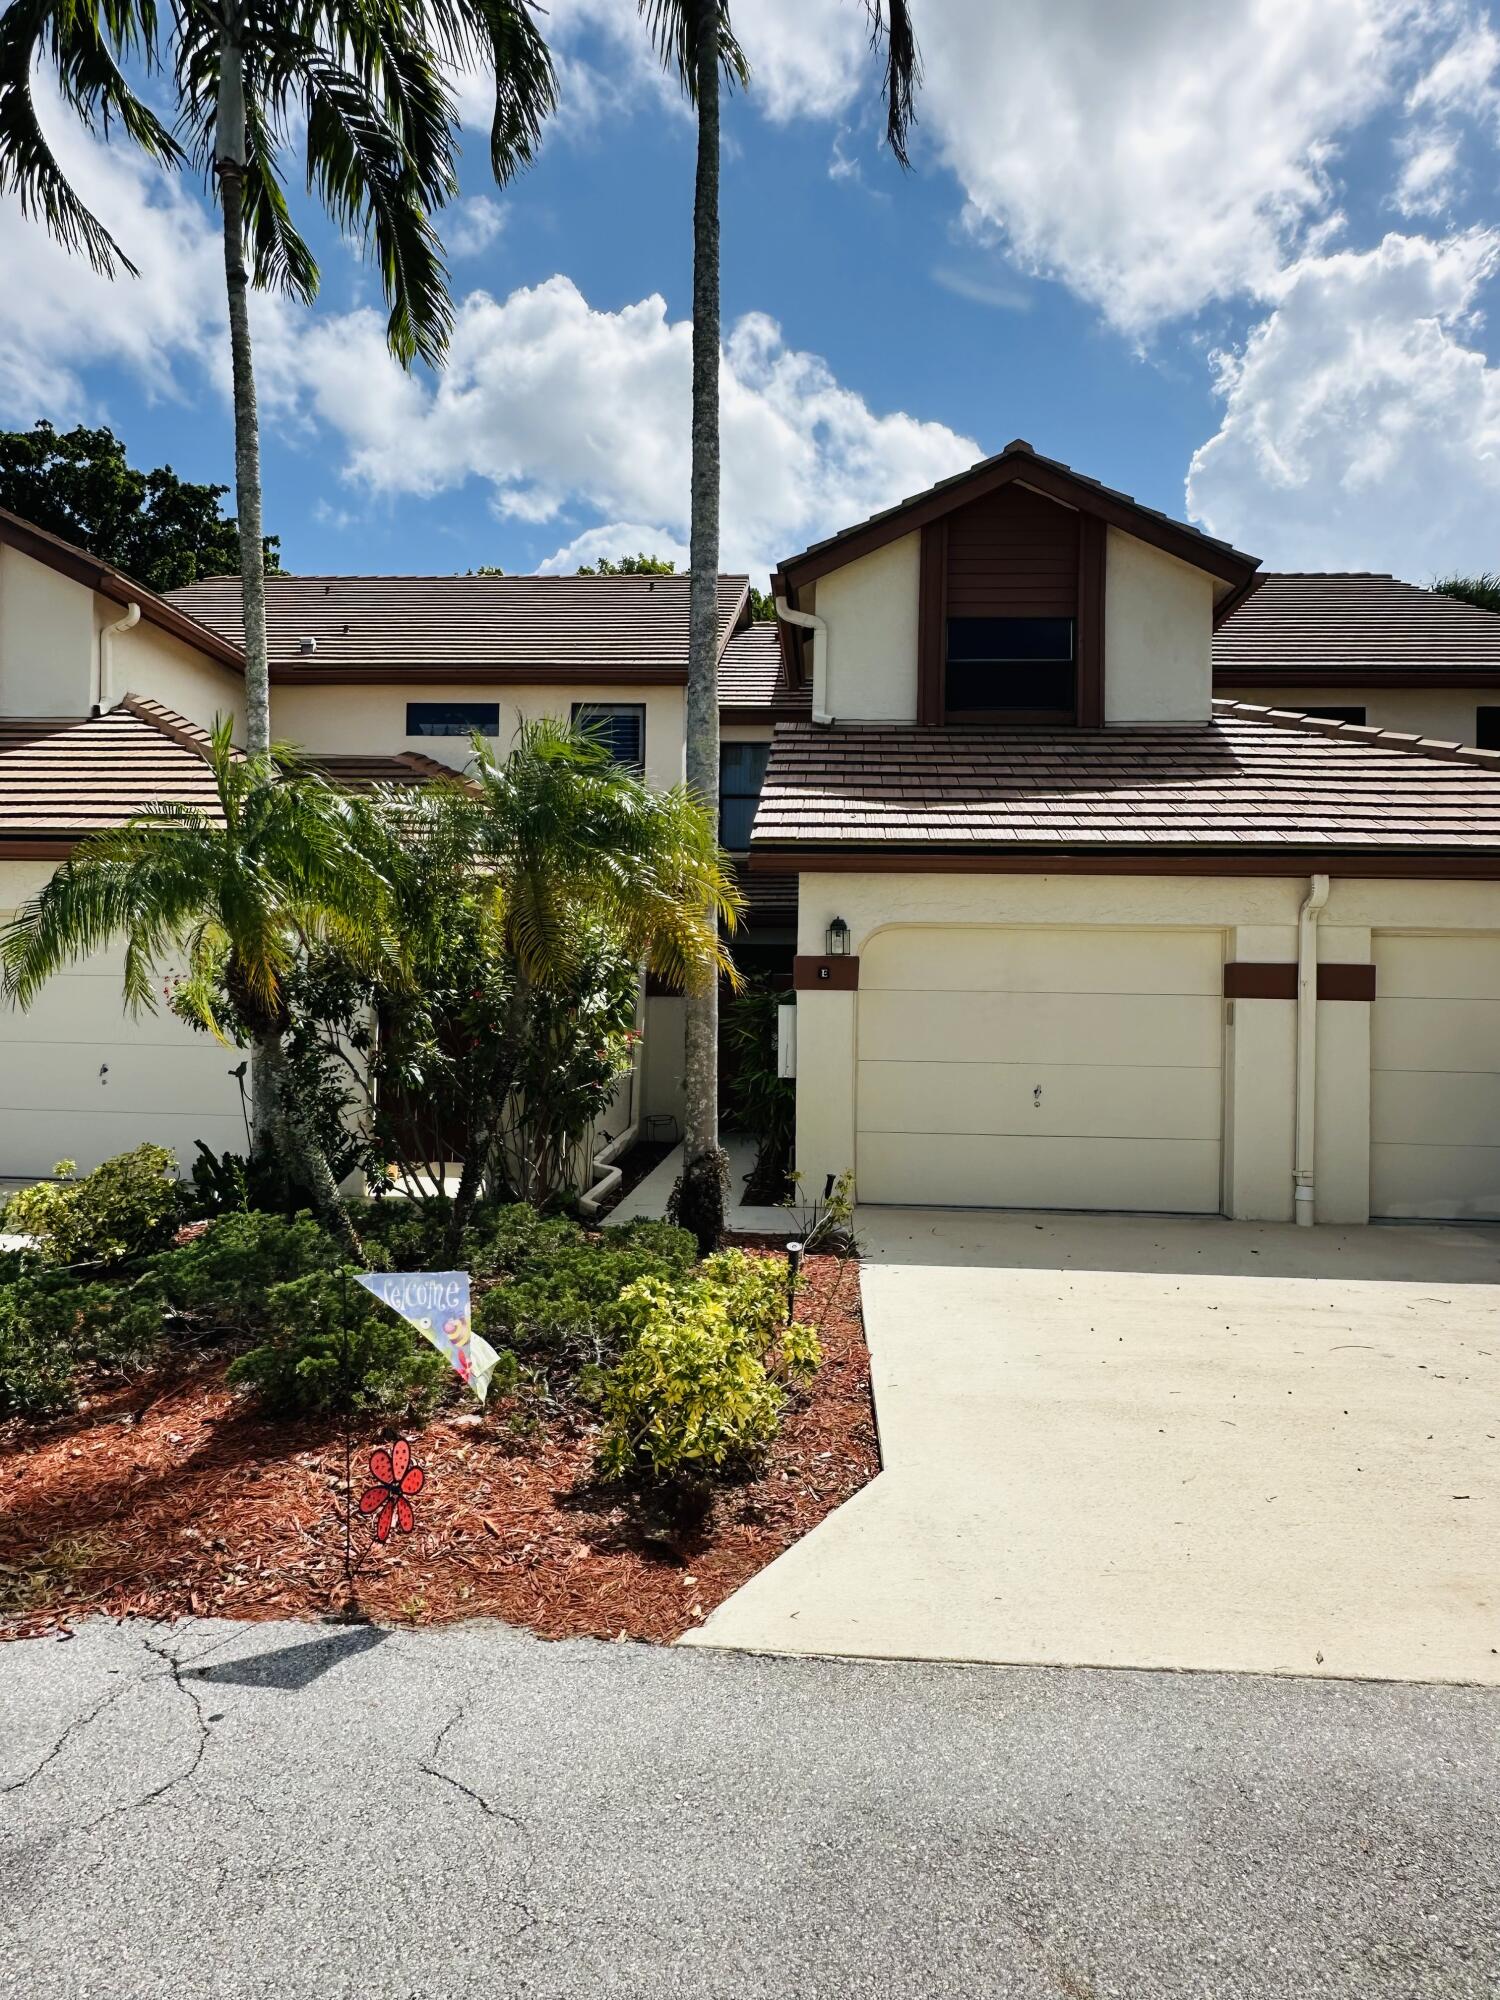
pixel 239 894
pixel 696 39
pixel 362 86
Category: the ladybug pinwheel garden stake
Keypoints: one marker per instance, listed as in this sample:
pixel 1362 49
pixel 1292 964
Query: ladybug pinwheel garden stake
pixel 397 1482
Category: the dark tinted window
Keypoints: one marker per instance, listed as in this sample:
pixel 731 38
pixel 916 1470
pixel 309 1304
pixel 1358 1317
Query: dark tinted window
pixel 452 718
pixel 742 772
pixel 619 725
pixel 1005 665
pixel 1487 728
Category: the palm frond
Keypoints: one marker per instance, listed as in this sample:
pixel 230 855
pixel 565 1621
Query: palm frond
pixel 675 29
pixel 892 32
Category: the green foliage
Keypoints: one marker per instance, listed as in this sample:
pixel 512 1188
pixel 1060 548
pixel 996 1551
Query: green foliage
pixel 124 1208
pixel 760 1102
pixel 638 565
pixel 1482 590
pixel 565 1299
pixel 762 606
pixel 162 530
pixel 51 1330
pixel 699 1390
pixel 224 1278
pixel 301 1369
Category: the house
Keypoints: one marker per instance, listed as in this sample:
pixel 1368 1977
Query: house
pixel 107 690
pixel 1072 932
pixel 1065 929
pixel 1363 648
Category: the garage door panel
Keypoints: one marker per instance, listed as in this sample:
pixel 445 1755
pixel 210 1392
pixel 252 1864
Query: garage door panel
pixel 1439 1183
pixel 1444 968
pixel 138 1079
pixel 1461 1035
pixel 34 1141
pixel 1141 1030
pixel 83 1009
pixel 1435 1107
pixel 1077 1100
pixel 977 1171
pixel 983 959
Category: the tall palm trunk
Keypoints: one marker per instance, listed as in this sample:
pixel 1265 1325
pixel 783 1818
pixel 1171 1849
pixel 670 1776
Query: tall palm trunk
pixel 287 1128
pixel 700 1201
pixel 231 171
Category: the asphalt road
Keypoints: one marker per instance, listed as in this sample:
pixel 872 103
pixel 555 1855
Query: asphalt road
pixel 212 1809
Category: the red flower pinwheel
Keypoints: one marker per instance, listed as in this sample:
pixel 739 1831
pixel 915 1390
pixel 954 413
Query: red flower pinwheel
pixel 397 1483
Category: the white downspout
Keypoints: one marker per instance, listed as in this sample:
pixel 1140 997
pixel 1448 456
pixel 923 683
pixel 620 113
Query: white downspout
pixel 128 623
pixel 1303 1200
pixel 811 622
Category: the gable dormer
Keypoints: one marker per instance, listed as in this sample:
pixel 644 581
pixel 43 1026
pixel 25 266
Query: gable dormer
pixel 1018 593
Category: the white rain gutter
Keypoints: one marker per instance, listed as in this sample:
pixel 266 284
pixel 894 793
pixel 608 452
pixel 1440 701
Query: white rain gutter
pixel 811 622
pixel 1303 1200
pixel 128 623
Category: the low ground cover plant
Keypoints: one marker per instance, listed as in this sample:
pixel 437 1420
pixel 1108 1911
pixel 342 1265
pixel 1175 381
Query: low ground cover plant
pixel 123 1208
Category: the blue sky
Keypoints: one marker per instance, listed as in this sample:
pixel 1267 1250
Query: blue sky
pixel 1234 260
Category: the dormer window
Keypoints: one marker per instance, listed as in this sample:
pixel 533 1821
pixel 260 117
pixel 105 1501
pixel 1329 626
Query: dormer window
pixel 1018 669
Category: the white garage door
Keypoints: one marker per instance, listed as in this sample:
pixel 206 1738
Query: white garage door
pixel 1041 1068
pixel 81 1080
pixel 1435 1077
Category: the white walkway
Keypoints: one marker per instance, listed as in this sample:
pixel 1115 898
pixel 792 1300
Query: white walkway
pixel 649 1199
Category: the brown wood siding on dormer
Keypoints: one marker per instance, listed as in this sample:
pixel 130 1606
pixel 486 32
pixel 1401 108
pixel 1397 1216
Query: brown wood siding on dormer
pixel 1012 555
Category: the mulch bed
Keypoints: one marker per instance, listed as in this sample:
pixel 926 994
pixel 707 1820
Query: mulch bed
pixel 170 1498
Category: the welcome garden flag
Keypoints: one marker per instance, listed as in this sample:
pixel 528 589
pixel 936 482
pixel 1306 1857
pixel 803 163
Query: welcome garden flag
pixel 436 1303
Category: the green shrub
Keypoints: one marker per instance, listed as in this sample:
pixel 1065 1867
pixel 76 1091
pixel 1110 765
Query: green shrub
pixel 225 1275
pixel 125 1207
pixel 505 1241
pixel 698 1392
pixel 51 1330
pixel 566 1295
pixel 301 1370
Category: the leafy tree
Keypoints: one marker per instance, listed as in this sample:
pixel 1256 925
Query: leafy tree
pixel 240 895
pixel 358 85
pixel 161 530
pixel 696 40
pixel 762 606
pixel 1482 590
pixel 485 569
pixel 641 565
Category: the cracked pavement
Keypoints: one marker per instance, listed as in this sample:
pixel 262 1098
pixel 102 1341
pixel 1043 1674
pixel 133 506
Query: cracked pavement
pixel 244 1810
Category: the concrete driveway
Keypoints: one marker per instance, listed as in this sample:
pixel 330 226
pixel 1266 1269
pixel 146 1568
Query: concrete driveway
pixel 1135 1441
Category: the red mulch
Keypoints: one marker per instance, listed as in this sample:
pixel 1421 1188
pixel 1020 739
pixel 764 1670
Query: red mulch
pixel 170 1498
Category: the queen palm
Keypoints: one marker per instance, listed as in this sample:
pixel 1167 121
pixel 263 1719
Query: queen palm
pixel 234 897
pixel 696 39
pixel 362 86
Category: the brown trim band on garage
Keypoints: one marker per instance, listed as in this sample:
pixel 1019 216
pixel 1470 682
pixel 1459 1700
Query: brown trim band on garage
pixel 1268 979
pixel 38 850
pixel 1483 866
pixel 825 975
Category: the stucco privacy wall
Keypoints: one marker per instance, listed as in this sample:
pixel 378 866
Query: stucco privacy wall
pixel 1158 629
pixel 1255 919
pixel 865 669
pixel 82 1079
pixel 47 639
pixel 1444 712
pixel 373 719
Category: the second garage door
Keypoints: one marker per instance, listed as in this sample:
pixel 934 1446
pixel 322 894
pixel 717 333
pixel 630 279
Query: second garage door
pixel 1041 1068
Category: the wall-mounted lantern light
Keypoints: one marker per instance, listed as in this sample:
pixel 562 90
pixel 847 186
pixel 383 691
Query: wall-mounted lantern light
pixel 838 939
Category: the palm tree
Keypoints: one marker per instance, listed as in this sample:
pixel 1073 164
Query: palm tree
pixel 240 893
pixel 577 846
pixel 695 38
pixel 362 85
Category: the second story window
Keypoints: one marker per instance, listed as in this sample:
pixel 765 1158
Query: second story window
pixel 742 772
pixel 452 718
pixel 1010 670
pixel 619 725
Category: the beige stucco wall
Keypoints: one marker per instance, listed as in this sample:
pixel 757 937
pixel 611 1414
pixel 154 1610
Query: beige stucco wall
pixel 1254 917
pixel 1444 712
pixel 48 651
pixel 865 668
pixel 148 661
pixel 373 719
pixel 1158 628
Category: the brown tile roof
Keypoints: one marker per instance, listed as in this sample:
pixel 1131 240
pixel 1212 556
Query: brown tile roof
pixel 1049 475
pixel 71 561
pixel 1352 630
pixel 357 772
pixel 1249 779
pixel 69 775
pixel 477 629
pixel 752 677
